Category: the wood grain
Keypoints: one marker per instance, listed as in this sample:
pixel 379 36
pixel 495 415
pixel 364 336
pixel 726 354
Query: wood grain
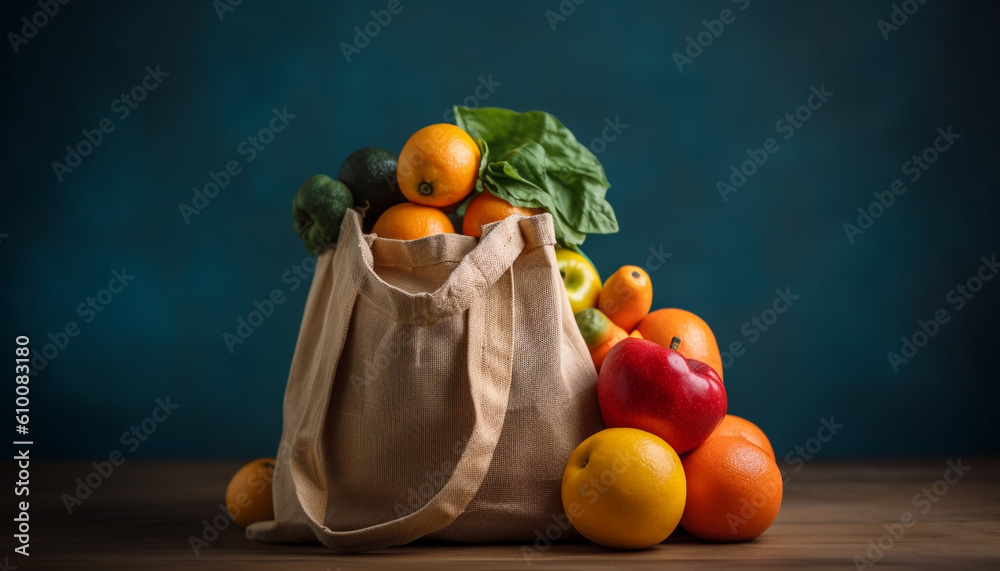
pixel 141 518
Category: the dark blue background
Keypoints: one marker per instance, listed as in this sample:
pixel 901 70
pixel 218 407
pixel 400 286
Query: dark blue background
pixel 825 357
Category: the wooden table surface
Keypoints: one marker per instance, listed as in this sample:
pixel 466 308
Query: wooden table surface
pixel 141 518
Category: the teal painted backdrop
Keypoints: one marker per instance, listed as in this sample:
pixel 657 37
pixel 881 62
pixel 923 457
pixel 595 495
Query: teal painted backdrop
pixel 740 137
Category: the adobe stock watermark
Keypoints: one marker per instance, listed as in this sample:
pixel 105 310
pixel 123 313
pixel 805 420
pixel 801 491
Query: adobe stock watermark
pixel 229 512
pixel 591 491
pixel 656 259
pixel 956 297
pixel 212 528
pixel 609 134
pixel 121 108
pixel 923 501
pixel 374 369
pixel 225 7
pixel 249 148
pixel 87 310
pixel 699 42
pixel 563 11
pixel 364 34
pixel 485 87
pixel 433 482
pixel 654 262
pixel 915 167
pixel 898 17
pixel 132 439
pixel 613 128
pixel 30 26
pixel 753 328
pixel 786 126
pixel 802 453
pixel 748 507
pixel 796 458
pixel 293 278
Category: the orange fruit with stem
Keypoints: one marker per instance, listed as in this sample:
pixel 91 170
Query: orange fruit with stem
pixel 408 221
pixel 627 296
pixel 487 208
pixel 734 490
pixel 438 166
pixel 733 425
pixel 662 325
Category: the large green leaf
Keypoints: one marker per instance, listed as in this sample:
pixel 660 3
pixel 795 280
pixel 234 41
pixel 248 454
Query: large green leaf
pixel 532 160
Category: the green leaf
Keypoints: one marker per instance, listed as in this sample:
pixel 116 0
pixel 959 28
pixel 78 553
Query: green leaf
pixel 532 160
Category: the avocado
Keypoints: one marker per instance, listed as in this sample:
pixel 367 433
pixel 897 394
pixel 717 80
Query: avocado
pixel 370 173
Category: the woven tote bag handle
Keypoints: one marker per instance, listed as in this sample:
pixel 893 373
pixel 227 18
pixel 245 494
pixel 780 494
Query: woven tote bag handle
pixel 482 283
pixel 478 269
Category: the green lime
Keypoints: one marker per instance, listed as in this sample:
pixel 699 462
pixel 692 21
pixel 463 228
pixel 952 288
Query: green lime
pixel 594 325
pixel 319 208
pixel 370 173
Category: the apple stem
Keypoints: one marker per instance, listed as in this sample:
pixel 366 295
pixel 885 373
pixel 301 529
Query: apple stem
pixel 675 343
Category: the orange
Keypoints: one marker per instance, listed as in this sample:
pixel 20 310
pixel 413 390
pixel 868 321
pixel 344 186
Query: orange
pixel 624 488
pixel 627 296
pixel 408 221
pixel 635 334
pixel 733 425
pixel 487 208
pixel 697 339
pixel 248 496
pixel 438 166
pixel 733 490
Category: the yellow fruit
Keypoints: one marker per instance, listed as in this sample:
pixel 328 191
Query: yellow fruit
pixel 624 488
pixel 248 497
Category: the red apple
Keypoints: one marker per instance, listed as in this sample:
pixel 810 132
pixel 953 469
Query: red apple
pixel 654 388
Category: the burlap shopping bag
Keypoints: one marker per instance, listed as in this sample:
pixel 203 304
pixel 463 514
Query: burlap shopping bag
pixel 437 390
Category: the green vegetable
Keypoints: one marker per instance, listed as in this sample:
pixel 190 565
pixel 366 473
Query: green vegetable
pixel 319 208
pixel 532 160
pixel 371 175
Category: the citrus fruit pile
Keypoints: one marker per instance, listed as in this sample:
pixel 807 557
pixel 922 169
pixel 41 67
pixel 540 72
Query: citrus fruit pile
pixel 493 164
pixel 415 196
pixel 671 455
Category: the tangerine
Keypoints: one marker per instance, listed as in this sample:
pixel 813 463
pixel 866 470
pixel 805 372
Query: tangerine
pixel 408 221
pixel 733 490
pixel 733 425
pixel 487 208
pixel 627 296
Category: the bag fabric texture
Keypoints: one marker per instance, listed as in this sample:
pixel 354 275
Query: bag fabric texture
pixel 437 390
